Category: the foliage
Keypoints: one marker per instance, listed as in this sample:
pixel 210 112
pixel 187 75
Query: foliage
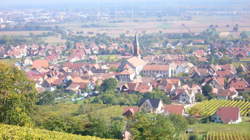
pixel 17 96
pixel 157 94
pixel 24 133
pixel 246 95
pixel 82 119
pixel 206 90
pixel 103 128
pixel 109 84
pixel 200 97
pixel 46 97
pixel 116 99
pixel 63 124
pixel 180 123
pixel 152 127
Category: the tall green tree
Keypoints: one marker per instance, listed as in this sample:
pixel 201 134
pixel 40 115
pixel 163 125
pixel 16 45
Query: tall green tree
pixel 109 84
pixel 152 127
pixel 17 96
pixel 158 94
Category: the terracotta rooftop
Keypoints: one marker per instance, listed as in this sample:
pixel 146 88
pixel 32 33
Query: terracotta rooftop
pixel 228 114
pixel 156 68
pixel 174 109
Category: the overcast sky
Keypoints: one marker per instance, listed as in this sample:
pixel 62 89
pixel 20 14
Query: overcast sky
pixel 54 3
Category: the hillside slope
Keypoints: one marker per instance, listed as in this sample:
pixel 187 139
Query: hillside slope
pixel 23 133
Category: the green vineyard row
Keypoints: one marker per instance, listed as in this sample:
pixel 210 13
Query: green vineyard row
pixel 208 108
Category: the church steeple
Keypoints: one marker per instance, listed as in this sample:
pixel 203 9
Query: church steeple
pixel 136 46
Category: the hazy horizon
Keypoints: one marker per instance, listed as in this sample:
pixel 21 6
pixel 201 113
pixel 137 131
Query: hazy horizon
pixel 120 3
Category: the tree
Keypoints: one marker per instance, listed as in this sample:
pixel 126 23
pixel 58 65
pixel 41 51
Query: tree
pixel 243 35
pixel 158 94
pixel 199 97
pixel 180 123
pixel 45 98
pixel 152 127
pixel 17 96
pixel 206 90
pixel 105 128
pixel 109 85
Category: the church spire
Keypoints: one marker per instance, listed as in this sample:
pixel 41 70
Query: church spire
pixel 136 47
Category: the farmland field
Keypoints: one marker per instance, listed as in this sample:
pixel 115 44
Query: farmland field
pixel 21 33
pixel 164 24
pixel 215 131
pixel 208 108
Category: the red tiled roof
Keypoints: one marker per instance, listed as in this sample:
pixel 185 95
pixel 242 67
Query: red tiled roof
pixel 144 88
pixel 224 73
pixel 239 84
pixel 156 68
pixel 174 109
pixel 228 114
pixel 133 110
pixel 40 64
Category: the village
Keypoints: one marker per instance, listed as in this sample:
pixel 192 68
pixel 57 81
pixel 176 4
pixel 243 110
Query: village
pixel 125 73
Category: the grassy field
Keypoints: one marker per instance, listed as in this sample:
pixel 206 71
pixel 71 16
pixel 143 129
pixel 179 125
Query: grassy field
pixel 72 110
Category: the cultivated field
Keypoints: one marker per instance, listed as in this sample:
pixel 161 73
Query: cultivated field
pixel 165 24
pixel 208 108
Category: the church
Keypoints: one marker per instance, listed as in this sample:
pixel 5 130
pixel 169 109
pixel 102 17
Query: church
pixel 131 68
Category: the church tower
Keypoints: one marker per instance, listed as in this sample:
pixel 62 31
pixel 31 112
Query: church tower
pixel 136 47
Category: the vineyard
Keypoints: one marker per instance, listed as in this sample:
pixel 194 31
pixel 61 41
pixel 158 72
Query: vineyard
pixel 9 132
pixel 227 136
pixel 208 108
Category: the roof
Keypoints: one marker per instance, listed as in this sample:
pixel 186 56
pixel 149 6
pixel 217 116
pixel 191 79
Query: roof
pixel 126 72
pixel 135 61
pixel 144 87
pixel 220 80
pixel 79 80
pixel 239 84
pixel 224 73
pixel 156 68
pixel 132 109
pixel 174 109
pixel 40 64
pixel 228 114
pixel 174 81
pixel 225 92
pixel 154 102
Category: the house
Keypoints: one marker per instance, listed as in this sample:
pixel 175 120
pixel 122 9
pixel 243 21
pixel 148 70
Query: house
pixel 155 71
pixel 126 75
pixel 174 109
pixel 226 94
pixel 141 87
pixel 184 68
pixel 227 115
pixel 130 111
pixel 238 84
pixel 218 82
pixel 200 73
pixel 183 95
pixel 152 106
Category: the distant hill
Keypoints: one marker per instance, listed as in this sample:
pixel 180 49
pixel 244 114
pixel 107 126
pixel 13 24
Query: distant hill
pixel 16 133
